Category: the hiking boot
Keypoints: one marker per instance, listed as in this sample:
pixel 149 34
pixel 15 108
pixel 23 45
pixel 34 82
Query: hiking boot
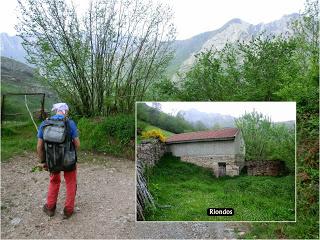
pixel 49 212
pixel 67 214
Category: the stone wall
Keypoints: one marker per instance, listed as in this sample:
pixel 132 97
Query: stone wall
pixel 234 163
pixel 265 168
pixel 149 152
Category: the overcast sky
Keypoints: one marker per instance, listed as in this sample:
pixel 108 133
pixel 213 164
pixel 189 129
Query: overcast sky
pixel 277 111
pixel 193 16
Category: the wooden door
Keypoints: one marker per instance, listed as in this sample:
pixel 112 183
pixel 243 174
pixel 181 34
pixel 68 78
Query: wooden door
pixel 222 169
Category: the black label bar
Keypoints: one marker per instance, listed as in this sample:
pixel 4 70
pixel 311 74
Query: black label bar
pixel 220 211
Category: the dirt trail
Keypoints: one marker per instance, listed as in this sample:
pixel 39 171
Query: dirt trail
pixel 105 205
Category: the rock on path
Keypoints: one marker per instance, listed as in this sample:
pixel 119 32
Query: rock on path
pixel 105 205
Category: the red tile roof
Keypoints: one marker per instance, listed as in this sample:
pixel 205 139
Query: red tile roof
pixel 221 134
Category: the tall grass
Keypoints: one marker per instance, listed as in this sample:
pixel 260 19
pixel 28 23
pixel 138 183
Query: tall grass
pixel 17 138
pixel 184 192
pixel 112 135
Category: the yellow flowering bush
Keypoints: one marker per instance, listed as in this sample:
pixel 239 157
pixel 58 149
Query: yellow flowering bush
pixel 153 134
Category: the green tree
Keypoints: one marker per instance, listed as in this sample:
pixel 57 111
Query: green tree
pixel 265 140
pixel 282 144
pixel 267 65
pixel 163 90
pixel 103 61
pixel 255 128
pixel 254 70
pixel 214 76
pixel 267 68
pixel 304 88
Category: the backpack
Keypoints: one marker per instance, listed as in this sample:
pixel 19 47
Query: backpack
pixel 60 151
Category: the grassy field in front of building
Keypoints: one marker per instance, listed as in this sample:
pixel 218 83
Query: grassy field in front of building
pixel 184 192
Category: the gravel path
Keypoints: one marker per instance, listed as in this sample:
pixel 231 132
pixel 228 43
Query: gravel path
pixel 105 204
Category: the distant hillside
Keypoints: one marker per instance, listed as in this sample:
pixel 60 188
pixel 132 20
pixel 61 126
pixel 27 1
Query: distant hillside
pixel 16 74
pixel 185 48
pixel 17 77
pixel 216 120
pixel 208 119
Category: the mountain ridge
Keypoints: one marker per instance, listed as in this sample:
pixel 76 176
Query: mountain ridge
pixel 186 49
pixel 218 120
pixel 232 31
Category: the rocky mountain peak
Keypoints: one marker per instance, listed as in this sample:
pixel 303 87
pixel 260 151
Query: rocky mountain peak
pixel 234 30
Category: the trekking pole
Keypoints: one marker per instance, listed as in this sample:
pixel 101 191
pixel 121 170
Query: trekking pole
pixel 25 101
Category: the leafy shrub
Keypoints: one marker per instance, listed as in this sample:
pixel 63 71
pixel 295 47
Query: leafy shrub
pixel 141 125
pixel 120 126
pixel 154 134
pixel 267 141
pixel 111 135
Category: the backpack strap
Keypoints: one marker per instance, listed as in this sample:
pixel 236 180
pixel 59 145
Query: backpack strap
pixel 67 125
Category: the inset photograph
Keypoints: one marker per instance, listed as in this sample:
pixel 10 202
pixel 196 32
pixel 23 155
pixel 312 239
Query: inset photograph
pixel 215 161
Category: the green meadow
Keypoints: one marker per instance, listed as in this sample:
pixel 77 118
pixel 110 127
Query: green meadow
pixel 184 192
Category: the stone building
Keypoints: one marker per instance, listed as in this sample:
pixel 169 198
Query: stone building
pixel 221 150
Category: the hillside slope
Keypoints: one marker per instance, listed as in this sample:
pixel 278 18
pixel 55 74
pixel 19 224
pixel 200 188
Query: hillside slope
pixel 17 77
pixel 209 119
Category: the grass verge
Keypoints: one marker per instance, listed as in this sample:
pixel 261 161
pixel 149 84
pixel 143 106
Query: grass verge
pixel 16 138
pixel 112 135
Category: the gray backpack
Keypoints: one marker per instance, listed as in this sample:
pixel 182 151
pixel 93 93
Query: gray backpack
pixel 60 151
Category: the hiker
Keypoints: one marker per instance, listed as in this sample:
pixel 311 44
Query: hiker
pixel 57 144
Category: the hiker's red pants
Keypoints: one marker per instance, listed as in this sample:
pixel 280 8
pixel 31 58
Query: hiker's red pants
pixel 71 187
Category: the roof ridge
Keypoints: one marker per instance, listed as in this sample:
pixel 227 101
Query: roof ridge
pixel 207 134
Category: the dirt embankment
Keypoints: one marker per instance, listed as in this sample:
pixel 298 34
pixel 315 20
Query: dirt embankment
pixel 105 204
